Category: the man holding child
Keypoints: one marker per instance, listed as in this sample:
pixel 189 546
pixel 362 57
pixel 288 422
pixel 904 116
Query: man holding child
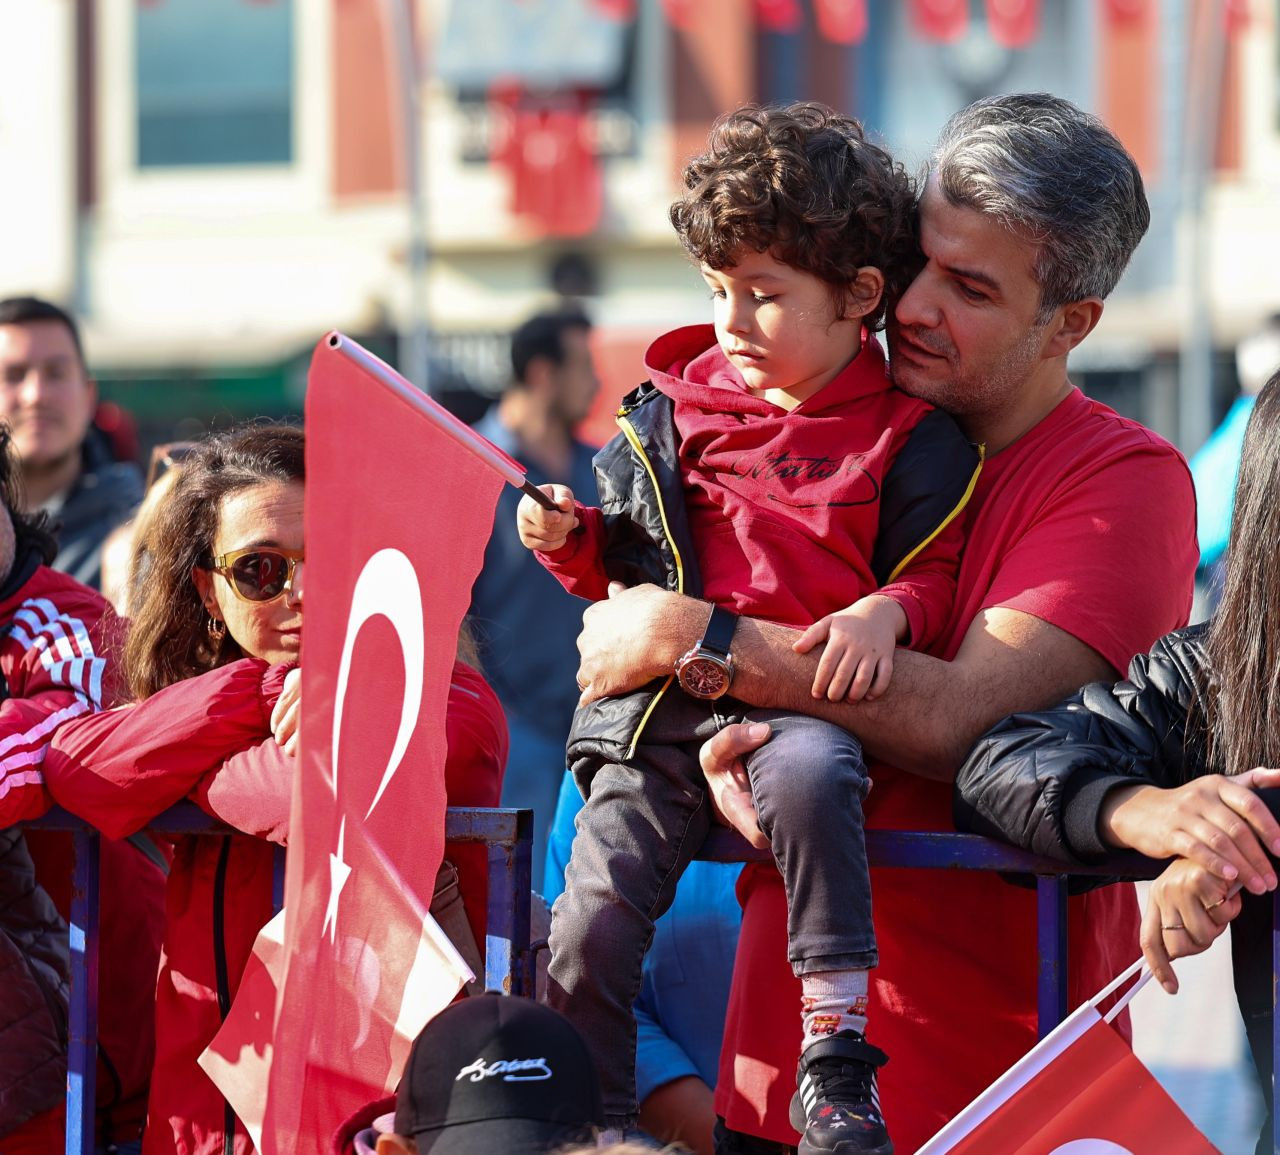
pixel 1080 552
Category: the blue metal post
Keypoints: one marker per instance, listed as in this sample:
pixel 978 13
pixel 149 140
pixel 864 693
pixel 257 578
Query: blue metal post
pixel 1051 933
pixel 82 1043
pixel 524 975
pixel 277 879
pixel 509 836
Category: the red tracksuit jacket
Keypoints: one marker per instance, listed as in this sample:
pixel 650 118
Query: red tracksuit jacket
pixel 58 640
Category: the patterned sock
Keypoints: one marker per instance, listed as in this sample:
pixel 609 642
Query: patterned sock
pixel 833 1001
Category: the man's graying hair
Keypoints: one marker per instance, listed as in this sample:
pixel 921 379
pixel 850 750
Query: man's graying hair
pixel 1054 174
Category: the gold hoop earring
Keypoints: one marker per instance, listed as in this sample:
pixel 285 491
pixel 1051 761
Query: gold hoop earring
pixel 217 630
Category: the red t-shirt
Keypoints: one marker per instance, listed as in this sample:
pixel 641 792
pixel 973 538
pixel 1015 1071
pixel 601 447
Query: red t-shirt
pixel 1087 522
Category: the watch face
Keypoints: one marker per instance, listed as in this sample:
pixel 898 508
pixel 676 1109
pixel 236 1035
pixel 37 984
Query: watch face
pixel 704 678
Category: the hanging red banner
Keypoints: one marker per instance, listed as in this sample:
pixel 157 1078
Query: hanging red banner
pixel 941 19
pixel 623 11
pixel 556 183
pixel 779 15
pixel 842 21
pixel 1125 11
pixel 1013 23
pixel 1236 13
pixel 679 12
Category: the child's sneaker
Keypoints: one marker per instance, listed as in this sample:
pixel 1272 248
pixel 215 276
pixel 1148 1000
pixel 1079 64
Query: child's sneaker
pixel 837 1105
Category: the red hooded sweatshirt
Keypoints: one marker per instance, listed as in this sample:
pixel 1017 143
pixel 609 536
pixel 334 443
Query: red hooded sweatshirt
pixel 783 504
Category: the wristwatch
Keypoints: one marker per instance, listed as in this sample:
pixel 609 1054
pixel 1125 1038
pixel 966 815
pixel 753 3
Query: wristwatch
pixel 707 670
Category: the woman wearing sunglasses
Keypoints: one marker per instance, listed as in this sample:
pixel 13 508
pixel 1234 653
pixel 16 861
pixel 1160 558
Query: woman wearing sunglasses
pixel 216 636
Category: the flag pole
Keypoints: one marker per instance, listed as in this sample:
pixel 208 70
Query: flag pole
pixel 511 470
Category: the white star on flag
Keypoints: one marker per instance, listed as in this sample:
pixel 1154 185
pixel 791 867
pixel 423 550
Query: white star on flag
pixel 339 872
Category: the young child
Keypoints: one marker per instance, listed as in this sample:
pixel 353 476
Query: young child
pixel 768 466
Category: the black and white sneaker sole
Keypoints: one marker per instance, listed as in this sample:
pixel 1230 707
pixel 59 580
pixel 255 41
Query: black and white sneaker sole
pixel 799 1120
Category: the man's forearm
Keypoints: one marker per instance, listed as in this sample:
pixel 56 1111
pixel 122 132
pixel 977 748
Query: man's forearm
pixel 904 727
pixel 933 711
pixel 931 714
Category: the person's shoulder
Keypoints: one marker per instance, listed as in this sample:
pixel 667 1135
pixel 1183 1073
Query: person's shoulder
pixel 1091 419
pixel 56 594
pixel 469 686
pixel 53 613
pixel 1184 648
pixel 121 481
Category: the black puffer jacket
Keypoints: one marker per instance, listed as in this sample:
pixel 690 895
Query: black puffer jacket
pixel 1039 780
pixel 642 498
pixel 34 974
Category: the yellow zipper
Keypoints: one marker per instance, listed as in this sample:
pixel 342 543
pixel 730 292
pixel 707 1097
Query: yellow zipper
pixel 628 431
pixel 964 500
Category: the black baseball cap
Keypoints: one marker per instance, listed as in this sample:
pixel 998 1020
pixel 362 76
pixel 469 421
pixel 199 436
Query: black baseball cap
pixel 498 1073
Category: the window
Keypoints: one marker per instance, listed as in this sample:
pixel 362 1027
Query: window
pixel 214 81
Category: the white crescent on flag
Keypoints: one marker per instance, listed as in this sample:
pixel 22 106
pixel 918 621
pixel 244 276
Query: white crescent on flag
pixel 387 586
pixel 1091 1147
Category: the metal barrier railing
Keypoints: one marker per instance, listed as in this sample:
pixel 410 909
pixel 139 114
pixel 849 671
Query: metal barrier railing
pixel 951 851
pixel 509 961
pixel 509 956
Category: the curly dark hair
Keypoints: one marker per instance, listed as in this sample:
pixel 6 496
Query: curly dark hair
pixel 803 183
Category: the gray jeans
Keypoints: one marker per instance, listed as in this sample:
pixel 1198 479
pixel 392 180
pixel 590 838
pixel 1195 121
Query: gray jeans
pixel 644 820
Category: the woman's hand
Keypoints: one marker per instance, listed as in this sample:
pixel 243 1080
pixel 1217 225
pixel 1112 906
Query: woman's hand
pixel 1216 821
pixel 1187 908
pixel 286 718
pixel 721 760
pixel 634 637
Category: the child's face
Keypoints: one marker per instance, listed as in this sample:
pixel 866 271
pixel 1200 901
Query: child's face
pixel 778 325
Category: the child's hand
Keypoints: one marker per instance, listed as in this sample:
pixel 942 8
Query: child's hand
pixel 857 660
pixel 541 529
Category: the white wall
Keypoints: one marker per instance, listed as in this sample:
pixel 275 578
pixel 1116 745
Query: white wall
pixel 37 148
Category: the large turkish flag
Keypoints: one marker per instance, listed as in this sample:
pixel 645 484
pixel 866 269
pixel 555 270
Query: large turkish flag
pixel 399 503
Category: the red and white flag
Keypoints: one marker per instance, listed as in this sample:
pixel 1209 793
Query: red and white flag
pixel 399 503
pixel 1081 1089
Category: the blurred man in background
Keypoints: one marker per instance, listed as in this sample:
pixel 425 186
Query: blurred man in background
pixel 48 400
pixel 526 625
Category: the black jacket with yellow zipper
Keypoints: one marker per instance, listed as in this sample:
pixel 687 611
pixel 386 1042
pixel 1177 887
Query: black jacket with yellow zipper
pixel 642 499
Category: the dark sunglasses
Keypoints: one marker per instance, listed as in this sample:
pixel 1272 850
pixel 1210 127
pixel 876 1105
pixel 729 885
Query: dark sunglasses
pixel 259 573
pixel 166 457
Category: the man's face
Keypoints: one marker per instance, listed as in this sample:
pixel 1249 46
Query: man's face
pixel 964 335
pixel 574 380
pixel 45 395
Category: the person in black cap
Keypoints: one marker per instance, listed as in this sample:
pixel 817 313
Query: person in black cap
pixel 488 1074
